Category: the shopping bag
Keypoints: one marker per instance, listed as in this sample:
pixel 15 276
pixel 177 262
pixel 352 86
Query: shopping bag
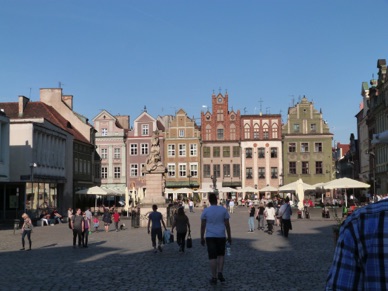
pixel 189 242
pixel 166 236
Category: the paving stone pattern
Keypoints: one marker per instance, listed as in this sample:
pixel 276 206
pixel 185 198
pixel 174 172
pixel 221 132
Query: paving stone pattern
pixel 124 260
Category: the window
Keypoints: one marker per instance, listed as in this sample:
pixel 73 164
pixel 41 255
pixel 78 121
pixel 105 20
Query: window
pixel 261 153
pixel 208 132
pixel 256 131
pixel 133 149
pixel 247 131
pixel 181 133
pixel 182 170
pixel 249 173
pixel 305 167
pixel 134 170
pixel 117 153
pixel 182 150
pixel 171 150
pixel 226 170
pixel 144 148
pixel 141 172
pixel 104 154
pixel 265 131
pixel 313 127
pixel 292 168
pixel 236 151
pixel 232 132
pixel 206 171
pixel 274 172
pixel 217 171
pixel 206 152
pixel 193 150
pixel 291 147
pixel 296 127
pixel 304 147
pixel 76 168
pixel 274 131
pixel 220 133
pixel 194 170
pixel 236 170
pixel 104 131
pixel 248 153
pixel 261 173
pixel 171 170
pixel 226 152
pixel 318 168
pixel 216 152
pixel 145 129
pixel 104 172
pixel 117 172
pixel 220 115
pixel 318 147
pixel 274 152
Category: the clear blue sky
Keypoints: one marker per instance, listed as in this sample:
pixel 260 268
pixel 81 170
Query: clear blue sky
pixel 166 55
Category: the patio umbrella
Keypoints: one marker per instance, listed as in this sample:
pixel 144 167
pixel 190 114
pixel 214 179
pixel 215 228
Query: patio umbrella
pixel 97 191
pixel 268 189
pixel 293 186
pixel 345 183
pixel 227 189
pixel 204 190
pixel 249 189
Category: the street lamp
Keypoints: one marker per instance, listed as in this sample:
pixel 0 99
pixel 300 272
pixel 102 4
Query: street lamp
pixel 32 166
pixel 374 172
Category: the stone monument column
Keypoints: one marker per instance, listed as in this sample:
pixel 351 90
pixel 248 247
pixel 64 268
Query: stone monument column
pixel 155 182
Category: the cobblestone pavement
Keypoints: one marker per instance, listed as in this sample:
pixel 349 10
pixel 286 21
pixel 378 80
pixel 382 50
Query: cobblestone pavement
pixel 124 261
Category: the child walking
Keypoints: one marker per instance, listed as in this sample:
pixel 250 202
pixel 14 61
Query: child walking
pixel 96 223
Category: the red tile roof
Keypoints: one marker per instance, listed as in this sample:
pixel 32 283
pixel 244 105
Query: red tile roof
pixel 42 110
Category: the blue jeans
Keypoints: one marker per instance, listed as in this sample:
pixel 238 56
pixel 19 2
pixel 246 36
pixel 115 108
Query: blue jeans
pixel 251 223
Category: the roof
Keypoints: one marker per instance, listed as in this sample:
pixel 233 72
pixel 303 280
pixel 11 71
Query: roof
pixel 42 110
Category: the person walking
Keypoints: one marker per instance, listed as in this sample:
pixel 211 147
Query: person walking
pixel 214 221
pixel 96 223
pixel 191 205
pixel 77 225
pixel 284 215
pixel 116 219
pixel 156 231
pixel 360 257
pixel 85 233
pixel 231 206
pixel 260 216
pixel 269 214
pixel 26 231
pixel 107 219
pixel 251 219
pixel 182 224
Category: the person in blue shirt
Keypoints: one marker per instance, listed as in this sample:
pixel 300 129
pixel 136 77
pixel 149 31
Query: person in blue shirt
pixel 361 255
pixel 156 231
pixel 215 220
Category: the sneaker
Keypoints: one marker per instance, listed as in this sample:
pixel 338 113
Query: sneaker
pixel 221 277
pixel 160 248
pixel 213 281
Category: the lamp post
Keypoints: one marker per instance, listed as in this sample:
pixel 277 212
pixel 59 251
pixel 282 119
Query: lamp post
pixel 189 176
pixel 32 166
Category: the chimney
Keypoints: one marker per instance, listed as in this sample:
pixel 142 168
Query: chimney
pixel 68 99
pixel 22 104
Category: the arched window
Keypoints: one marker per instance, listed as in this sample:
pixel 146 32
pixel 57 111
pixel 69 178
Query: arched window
pixel 247 131
pixel 256 131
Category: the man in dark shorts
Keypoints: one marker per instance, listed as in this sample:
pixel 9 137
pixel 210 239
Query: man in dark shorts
pixel 215 220
pixel 157 220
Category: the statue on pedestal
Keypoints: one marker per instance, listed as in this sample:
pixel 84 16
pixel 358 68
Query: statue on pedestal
pixel 154 160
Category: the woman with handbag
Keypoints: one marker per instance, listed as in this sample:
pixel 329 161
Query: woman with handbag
pixel 26 230
pixel 182 224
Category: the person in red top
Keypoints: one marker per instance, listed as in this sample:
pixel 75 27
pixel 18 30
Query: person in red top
pixel 116 219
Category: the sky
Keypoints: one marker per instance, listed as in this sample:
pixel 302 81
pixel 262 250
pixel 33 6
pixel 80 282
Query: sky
pixel 123 55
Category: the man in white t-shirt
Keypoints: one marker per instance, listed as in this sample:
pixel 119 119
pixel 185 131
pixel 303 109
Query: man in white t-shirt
pixel 191 205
